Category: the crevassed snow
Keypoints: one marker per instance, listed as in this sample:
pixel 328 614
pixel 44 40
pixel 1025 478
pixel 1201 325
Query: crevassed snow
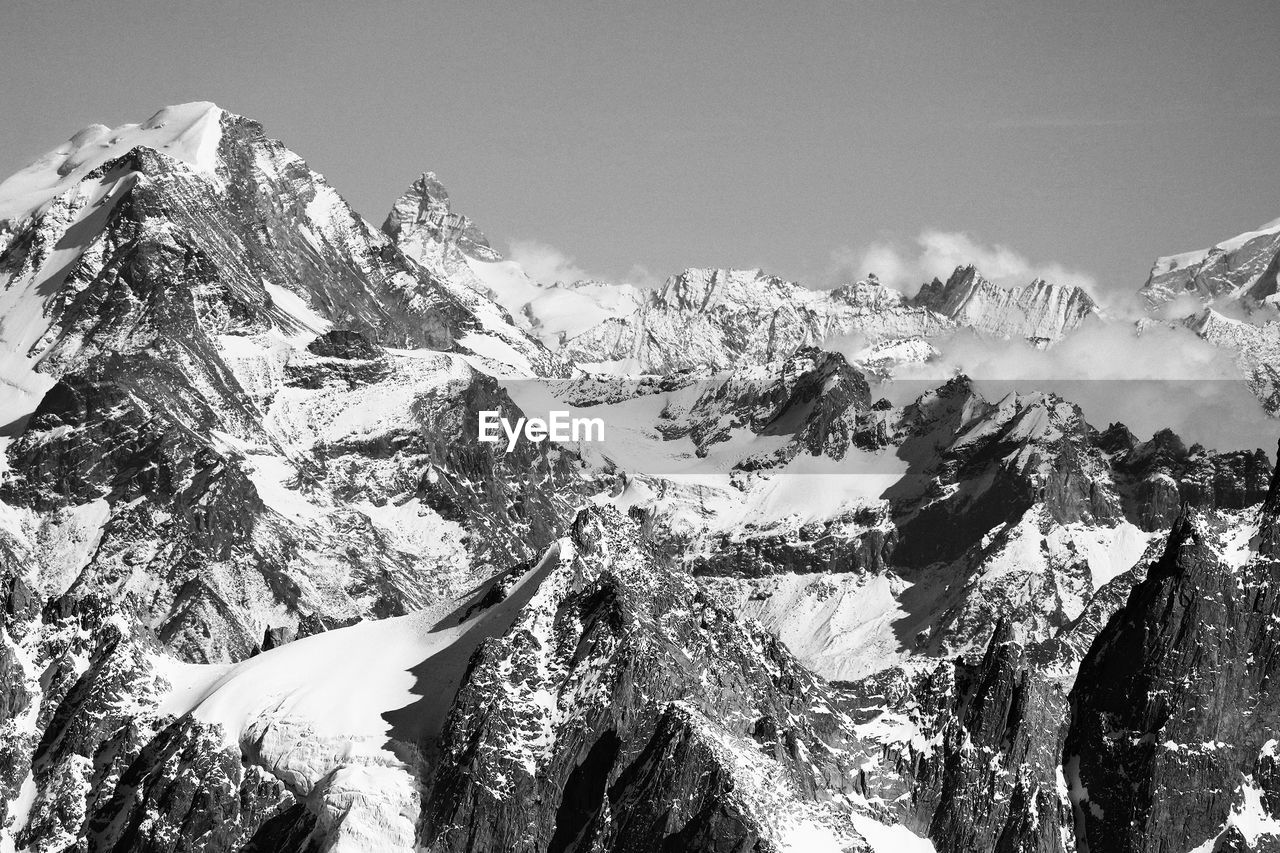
pixel 189 132
pixel 340 682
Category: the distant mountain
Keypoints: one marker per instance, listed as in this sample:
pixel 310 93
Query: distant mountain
pixel 1228 296
pixel 714 319
pixel 1242 270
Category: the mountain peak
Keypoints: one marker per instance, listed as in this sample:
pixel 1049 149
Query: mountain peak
pixel 1040 310
pixel 188 132
pixel 425 207
pixel 1241 268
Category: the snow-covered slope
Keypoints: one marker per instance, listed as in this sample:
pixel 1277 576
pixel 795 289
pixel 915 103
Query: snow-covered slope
pixel 316 713
pixel 1242 269
pixel 187 132
pixel 1229 296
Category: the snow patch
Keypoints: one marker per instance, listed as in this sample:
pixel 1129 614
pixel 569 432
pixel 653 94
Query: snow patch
pixel 890 838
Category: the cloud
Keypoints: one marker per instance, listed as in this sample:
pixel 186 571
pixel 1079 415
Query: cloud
pixel 1147 377
pixel 545 264
pixel 548 265
pixel 936 254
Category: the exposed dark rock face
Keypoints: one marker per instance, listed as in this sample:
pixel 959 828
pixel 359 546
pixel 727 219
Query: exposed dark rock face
pixel 344 344
pixel 1177 687
pixel 974 465
pixel 993 787
pixel 181 791
pixel 1269 519
pixel 857 541
pixel 814 398
pixel 624 688
pixel 1155 478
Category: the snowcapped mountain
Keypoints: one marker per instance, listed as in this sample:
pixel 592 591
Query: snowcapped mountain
pixel 1241 269
pixel 1228 296
pixel 714 318
pixel 264 587
pixel 424 227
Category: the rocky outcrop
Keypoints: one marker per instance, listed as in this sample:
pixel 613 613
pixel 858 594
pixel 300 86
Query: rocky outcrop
pixel 813 398
pixel 1177 687
pixel 1040 312
pixel 1269 519
pixel 193 307
pixel 626 711
pixel 1156 478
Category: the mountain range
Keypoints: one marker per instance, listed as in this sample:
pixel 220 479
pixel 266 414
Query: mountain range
pixel 264 587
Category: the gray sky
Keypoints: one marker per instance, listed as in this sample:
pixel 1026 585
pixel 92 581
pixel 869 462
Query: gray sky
pixel 1090 135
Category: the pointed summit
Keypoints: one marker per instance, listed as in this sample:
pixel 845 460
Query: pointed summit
pixel 423 212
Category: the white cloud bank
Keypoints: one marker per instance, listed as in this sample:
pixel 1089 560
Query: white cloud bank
pixel 1148 379
pixel 545 264
pixel 548 265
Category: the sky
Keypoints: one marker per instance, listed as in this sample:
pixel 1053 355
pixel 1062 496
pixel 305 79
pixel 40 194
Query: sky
pixel 818 140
